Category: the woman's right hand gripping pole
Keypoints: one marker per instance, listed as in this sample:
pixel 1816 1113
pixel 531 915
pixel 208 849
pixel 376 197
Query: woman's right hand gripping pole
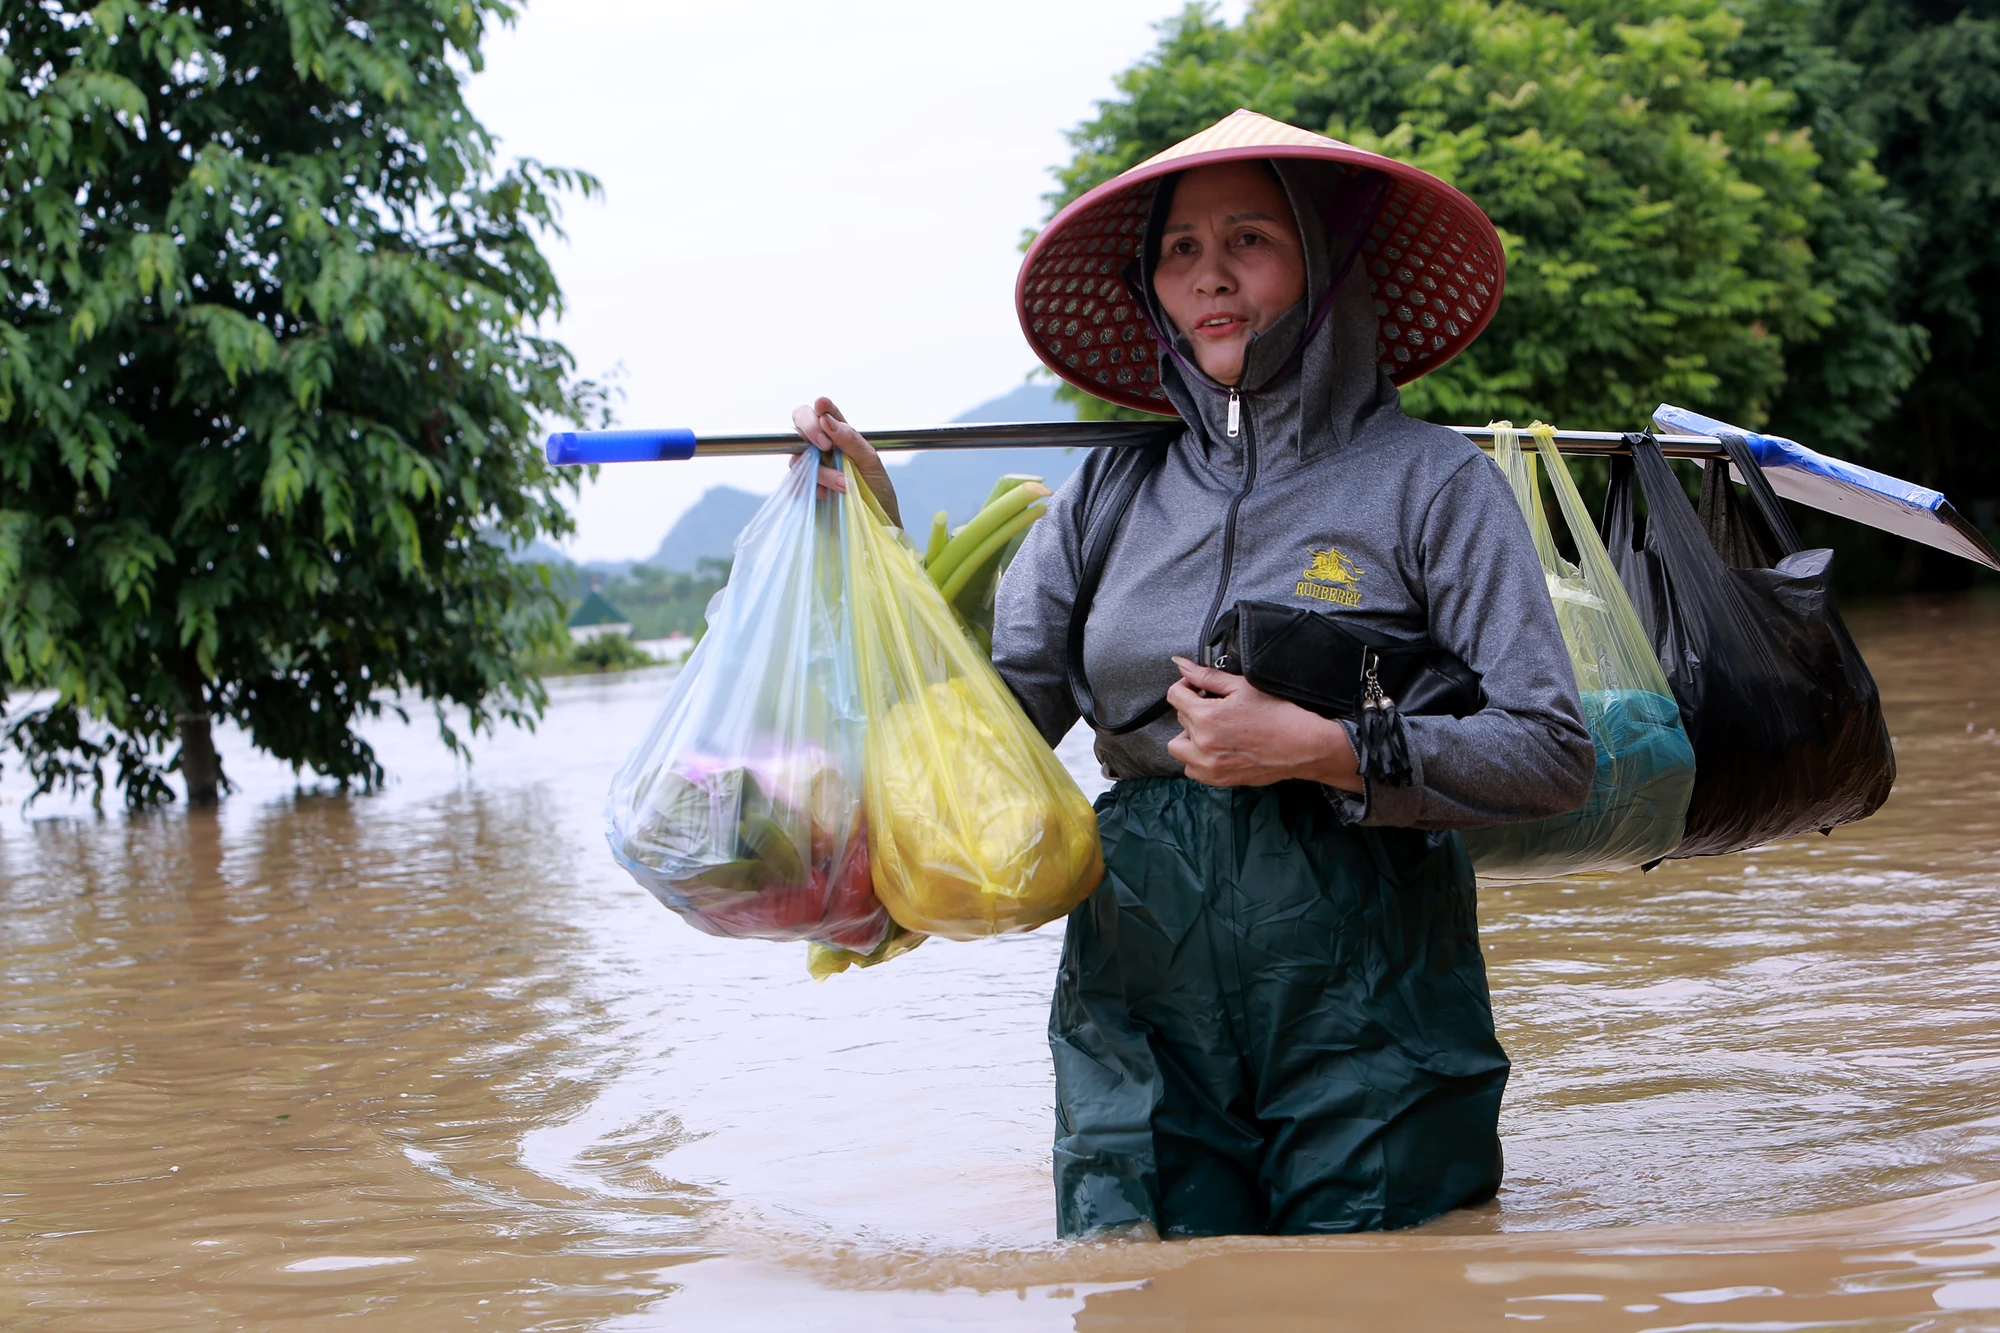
pixel 820 423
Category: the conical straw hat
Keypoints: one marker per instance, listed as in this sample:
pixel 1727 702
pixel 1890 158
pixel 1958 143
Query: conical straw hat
pixel 1432 258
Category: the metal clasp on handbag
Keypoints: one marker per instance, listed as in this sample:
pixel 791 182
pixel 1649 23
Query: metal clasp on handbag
pixel 1371 684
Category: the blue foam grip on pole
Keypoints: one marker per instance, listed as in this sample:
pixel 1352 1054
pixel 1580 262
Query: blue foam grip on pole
pixel 572 448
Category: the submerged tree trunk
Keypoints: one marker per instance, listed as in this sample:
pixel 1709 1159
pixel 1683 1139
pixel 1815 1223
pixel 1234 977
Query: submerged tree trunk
pixel 200 768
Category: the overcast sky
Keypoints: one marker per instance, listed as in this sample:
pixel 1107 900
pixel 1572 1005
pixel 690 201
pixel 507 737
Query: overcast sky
pixel 801 197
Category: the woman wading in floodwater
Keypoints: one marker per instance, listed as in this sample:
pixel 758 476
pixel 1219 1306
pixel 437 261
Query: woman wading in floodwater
pixel 1273 1017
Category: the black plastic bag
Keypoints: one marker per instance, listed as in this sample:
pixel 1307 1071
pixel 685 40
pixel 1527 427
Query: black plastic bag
pixel 1784 716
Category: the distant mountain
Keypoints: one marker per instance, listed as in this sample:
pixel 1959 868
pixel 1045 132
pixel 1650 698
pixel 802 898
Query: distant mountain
pixel 1033 401
pixel 538 552
pixel 957 480
pixel 569 579
pixel 954 480
pixel 708 528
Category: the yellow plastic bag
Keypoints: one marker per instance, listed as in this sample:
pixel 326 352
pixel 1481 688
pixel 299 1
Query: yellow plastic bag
pixel 974 826
pixel 1638 799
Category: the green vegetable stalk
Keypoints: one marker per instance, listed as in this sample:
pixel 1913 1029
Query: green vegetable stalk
pixel 984 556
pixel 940 534
pixel 1007 483
pixel 967 571
pixel 995 515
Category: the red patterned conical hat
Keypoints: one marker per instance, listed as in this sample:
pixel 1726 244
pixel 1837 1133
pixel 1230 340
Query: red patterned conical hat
pixel 1432 257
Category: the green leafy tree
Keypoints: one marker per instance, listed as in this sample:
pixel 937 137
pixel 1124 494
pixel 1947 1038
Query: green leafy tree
pixel 269 378
pixel 1929 95
pixel 1687 216
pixel 662 601
pixel 609 652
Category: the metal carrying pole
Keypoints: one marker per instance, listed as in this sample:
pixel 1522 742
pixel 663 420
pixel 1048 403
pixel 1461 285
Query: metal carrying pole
pixel 572 448
pixel 1795 472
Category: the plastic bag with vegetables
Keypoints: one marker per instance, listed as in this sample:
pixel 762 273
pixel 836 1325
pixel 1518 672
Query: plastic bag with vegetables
pixel 742 808
pixel 974 826
pixel 1638 798
pixel 964 565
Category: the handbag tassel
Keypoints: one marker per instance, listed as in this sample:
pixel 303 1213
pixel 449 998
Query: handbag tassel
pixel 1385 746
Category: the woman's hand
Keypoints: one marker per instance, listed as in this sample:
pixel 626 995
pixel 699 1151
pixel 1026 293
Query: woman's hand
pixel 1235 735
pixel 822 424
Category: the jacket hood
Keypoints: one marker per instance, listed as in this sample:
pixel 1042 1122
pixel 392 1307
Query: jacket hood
pixel 1314 396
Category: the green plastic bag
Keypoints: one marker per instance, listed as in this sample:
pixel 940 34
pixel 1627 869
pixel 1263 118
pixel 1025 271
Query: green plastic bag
pixel 1638 799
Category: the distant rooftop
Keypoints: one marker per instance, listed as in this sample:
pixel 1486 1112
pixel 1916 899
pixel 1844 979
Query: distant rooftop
pixel 596 610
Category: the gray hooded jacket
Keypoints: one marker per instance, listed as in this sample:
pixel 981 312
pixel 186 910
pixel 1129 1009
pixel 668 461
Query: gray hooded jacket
pixel 1329 497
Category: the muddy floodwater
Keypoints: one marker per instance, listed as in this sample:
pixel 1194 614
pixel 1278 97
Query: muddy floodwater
pixel 429 1058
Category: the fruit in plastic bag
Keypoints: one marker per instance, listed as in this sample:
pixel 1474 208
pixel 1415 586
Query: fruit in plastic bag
pixel 1638 801
pixel 974 826
pixel 974 850
pixel 741 809
pixel 775 895
pixel 965 566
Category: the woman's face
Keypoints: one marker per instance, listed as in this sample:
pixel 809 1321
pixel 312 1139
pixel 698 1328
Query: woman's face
pixel 1230 262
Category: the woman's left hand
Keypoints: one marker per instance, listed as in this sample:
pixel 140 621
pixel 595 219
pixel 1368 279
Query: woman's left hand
pixel 1235 735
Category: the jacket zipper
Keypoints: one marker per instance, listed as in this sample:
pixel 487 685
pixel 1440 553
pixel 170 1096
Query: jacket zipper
pixel 1229 522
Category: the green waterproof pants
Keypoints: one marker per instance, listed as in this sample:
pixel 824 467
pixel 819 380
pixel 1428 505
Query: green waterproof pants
pixel 1271 1022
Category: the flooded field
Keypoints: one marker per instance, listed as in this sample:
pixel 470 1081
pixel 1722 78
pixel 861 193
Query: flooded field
pixel 429 1058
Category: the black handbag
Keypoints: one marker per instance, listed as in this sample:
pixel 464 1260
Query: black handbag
pixel 1332 667
pixel 1342 669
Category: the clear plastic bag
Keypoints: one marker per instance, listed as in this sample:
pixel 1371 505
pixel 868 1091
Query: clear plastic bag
pixel 742 808
pixel 1638 800
pixel 974 826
